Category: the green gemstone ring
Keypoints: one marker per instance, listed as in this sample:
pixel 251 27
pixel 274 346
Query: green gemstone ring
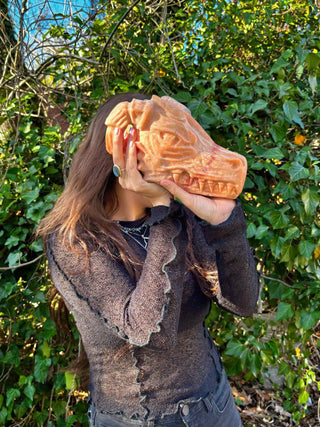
pixel 117 171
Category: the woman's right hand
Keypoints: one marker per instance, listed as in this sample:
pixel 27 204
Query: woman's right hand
pixel 130 177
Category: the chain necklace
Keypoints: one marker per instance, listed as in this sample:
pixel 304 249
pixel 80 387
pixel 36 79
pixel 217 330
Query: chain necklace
pixel 139 234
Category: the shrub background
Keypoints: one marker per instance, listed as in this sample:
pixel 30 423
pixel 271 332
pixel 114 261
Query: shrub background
pixel 248 71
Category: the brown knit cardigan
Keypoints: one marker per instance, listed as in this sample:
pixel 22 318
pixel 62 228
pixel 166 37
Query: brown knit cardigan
pixel 172 356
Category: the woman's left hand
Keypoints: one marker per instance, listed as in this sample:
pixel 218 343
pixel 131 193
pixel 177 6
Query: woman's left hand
pixel 211 209
pixel 131 179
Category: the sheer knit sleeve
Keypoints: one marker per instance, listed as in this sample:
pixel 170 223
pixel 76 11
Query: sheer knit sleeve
pixel 136 312
pixel 225 247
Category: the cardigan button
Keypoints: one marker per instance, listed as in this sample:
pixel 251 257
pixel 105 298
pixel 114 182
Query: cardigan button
pixel 185 410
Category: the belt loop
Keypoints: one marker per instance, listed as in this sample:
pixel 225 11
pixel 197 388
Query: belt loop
pixel 91 415
pixel 207 403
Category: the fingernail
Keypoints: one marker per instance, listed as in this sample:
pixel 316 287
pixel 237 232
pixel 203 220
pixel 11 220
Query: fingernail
pixel 117 131
pixel 164 183
pixel 131 130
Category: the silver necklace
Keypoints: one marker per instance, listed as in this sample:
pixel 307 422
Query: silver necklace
pixel 135 233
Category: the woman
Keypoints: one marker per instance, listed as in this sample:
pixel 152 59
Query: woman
pixel 139 270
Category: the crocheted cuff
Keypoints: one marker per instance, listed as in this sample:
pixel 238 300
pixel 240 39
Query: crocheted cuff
pixel 234 225
pixel 159 213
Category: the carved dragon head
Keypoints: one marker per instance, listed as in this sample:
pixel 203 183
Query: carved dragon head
pixel 172 145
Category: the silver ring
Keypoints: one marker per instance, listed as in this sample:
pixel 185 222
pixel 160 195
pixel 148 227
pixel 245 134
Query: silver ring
pixel 117 171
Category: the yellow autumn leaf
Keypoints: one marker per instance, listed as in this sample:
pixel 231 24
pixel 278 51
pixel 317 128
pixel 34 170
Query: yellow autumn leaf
pixel 316 252
pixel 299 139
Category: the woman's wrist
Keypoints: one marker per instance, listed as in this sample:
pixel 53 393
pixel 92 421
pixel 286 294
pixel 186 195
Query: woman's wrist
pixel 162 201
pixel 221 213
pixel 218 211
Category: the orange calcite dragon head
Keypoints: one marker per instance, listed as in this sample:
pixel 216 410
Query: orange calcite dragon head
pixel 172 145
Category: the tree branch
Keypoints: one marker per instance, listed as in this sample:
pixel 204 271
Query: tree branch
pixel 277 280
pixel 21 265
pixel 52 58
pixel 116 27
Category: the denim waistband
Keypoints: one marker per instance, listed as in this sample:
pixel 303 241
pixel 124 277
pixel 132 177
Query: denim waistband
pixel 185 408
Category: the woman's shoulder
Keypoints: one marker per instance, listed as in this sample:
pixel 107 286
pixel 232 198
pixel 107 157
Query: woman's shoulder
pixel 79 256
pixel 82 244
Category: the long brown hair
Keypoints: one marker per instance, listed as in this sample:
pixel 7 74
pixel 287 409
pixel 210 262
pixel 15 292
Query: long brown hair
pixel 80 215
pixel 80 212
pixel 81 208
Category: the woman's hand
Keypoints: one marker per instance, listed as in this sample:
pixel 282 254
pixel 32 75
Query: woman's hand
pixel 130 177
pixel 213 210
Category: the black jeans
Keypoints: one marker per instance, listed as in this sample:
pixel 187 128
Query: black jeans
pixel 214 410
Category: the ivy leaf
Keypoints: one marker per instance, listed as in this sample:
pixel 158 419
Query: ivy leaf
pixel 41 368
pixel 12 394
pixel 234 348
pixel 257 106
pixel 284 89
pixel 313 83
pixel 36 211
pixel 183 97
pixel 30 196
pixel 37 246
pixel 311 199
pixel 291 377
pixel 275 289
pixel 312 61
pixel 306 248
pixel 59 407
pixel 284 311
pixel 288 252
pixel 282 61
pixel 255 365
pixel 303 397
pixel 46 154
pixel 12 241
pixel 297 171
pixel 3 416
pixel 273 153
pixel 14 258
pixel 278 132
pixel 309 319
pixel 12 357
pixel 248 183
pixel 207 119
pixel 48 329
pixel 276 244
pixel 251 230
pixel 278 219
pixel 69 378
pixel 29 391
pixel 197 108
pixel 292 233
pixel 46 349
pixel 261 231
pixel 71 421
pixel 283 368
pixel 245 358
pixel 290 109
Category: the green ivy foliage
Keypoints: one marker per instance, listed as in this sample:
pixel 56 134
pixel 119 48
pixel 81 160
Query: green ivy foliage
pixel 248 72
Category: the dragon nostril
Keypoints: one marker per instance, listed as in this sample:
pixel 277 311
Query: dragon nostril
pixel 235 164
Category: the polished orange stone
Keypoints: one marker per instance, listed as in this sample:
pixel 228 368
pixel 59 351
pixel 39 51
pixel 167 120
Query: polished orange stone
pixel 172 145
